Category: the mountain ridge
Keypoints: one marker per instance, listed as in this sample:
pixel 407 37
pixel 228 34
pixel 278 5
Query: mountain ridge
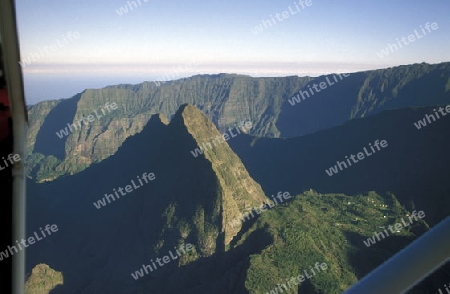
pixel 224 99
pixel 413 164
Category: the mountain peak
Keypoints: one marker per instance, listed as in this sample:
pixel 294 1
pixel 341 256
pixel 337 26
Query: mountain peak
pixel 186 109
pixel 239 192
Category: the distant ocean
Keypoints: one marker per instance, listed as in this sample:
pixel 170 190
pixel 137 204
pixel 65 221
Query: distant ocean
pixel 40 87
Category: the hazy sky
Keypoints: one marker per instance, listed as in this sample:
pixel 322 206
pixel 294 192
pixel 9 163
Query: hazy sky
pixel 207 36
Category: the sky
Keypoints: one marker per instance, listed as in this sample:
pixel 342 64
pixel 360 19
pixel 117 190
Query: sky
pixel 70 45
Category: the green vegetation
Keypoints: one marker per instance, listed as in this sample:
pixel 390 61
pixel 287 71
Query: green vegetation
pixel 42 280
pixel 326 228
pixel 311 228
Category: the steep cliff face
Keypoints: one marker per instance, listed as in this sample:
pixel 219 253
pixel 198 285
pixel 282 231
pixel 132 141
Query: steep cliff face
pixel 237 192
pixel 224 99
pixel 363 94
pixel 37 115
